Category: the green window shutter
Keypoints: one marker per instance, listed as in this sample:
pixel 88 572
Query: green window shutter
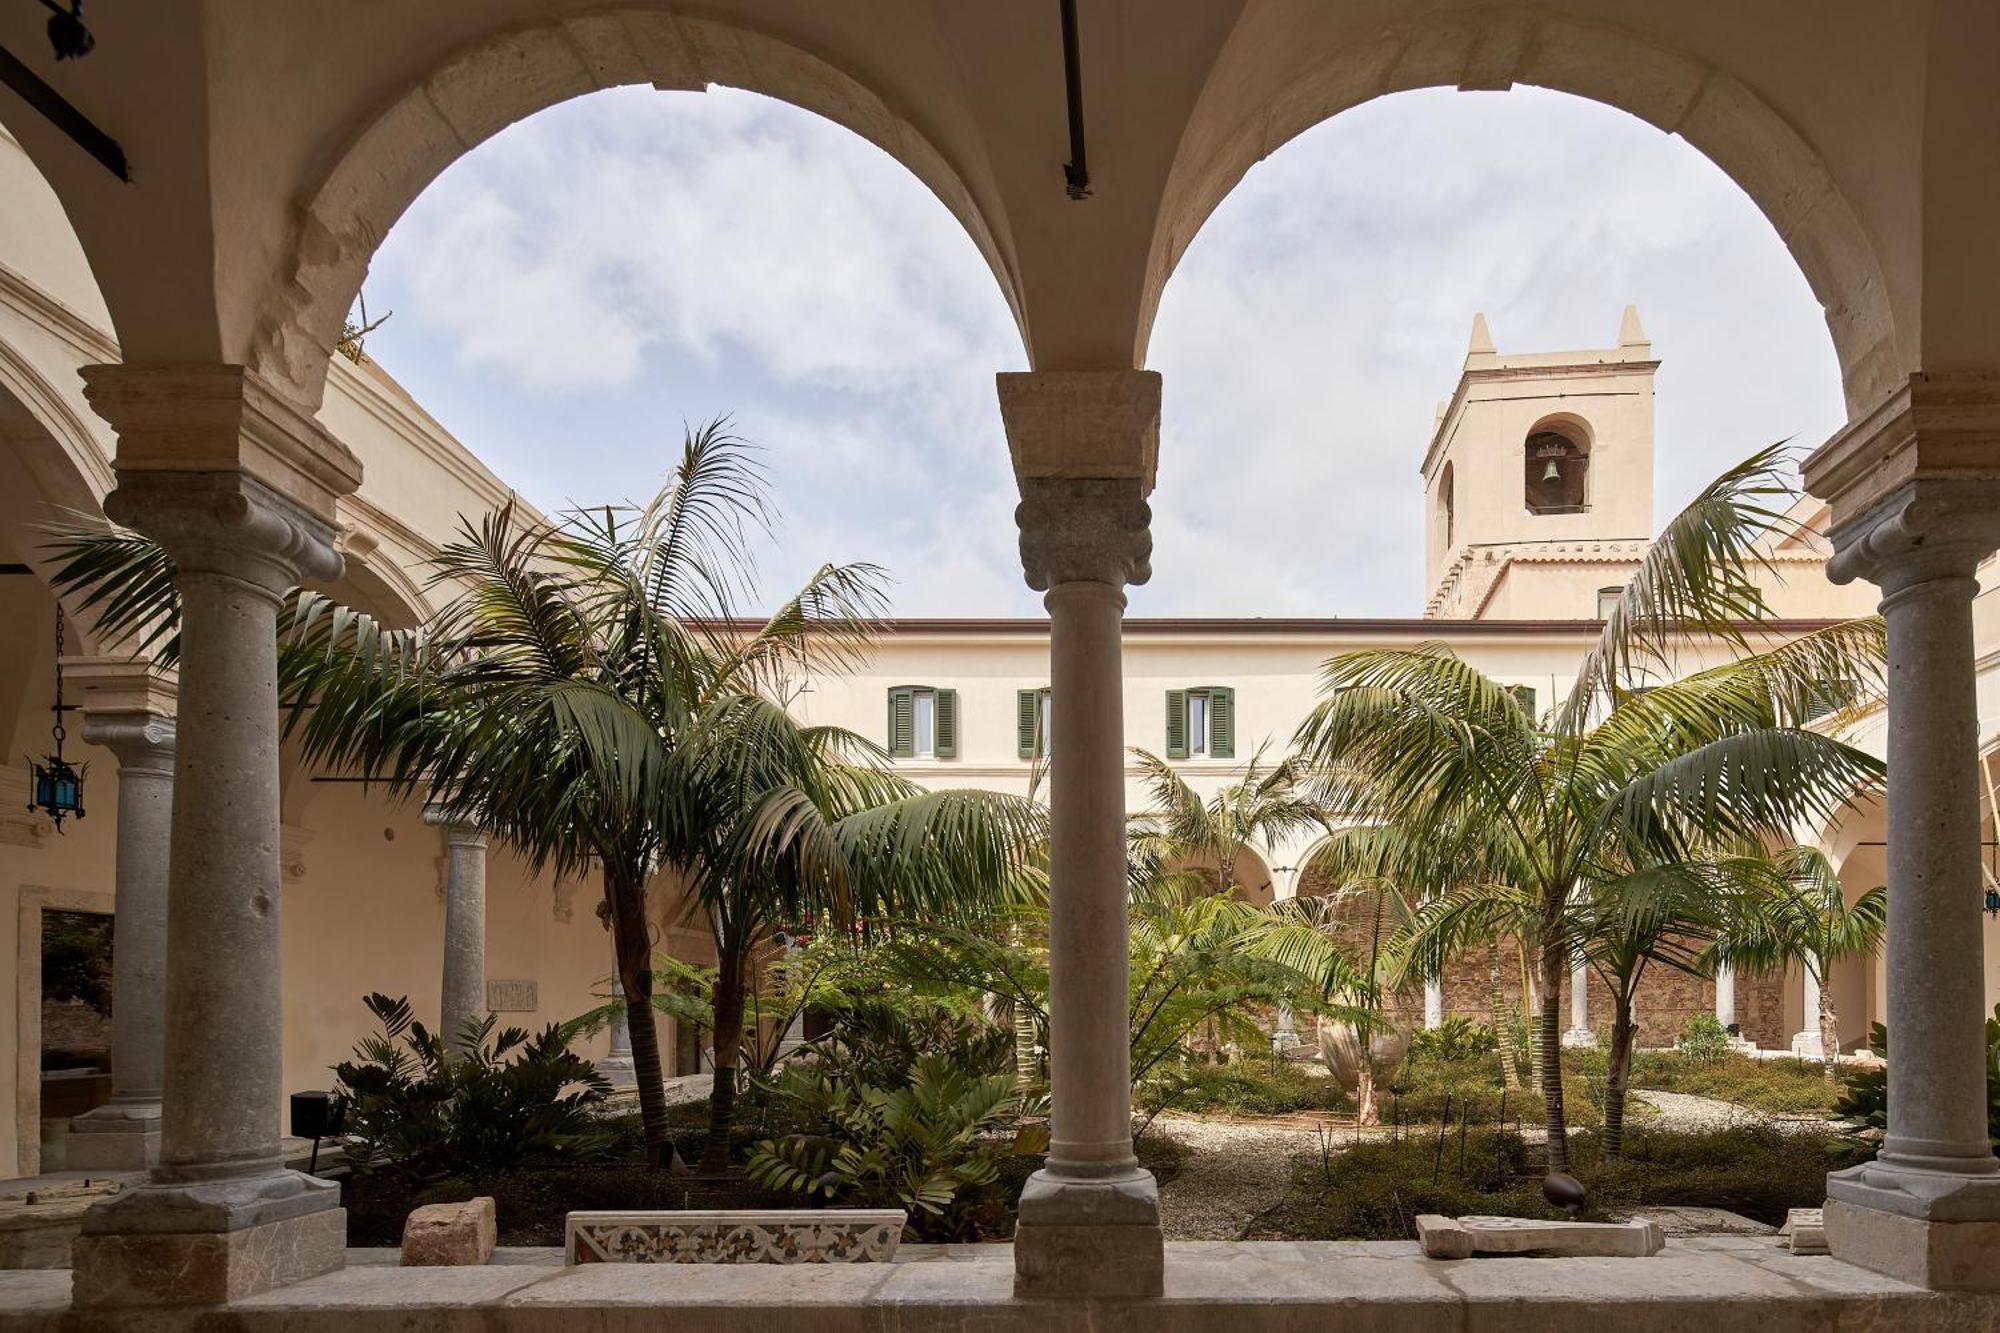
pixel 946 722
pixel 1027 721
pixel 1221 722
pixel 902 723
pixel 1524 695
pixel 1177 737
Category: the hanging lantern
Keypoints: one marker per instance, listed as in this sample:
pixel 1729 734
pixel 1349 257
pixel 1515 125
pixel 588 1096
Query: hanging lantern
pixel 1992 901
pixel 58 785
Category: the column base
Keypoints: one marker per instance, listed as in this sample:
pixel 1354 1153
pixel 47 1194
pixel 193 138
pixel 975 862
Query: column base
pixel 1808 1046
pixel 1579 1039
pixel 1935 1229
pixel 204 1244
pixel 620 1070
pixel 114 1137
pixel 1090 1237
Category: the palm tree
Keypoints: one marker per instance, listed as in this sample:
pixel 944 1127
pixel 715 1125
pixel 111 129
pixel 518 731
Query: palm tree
pixel 1651 915
pixel 1801 914
pixel 1183 832
pixel 776 824
pixel 1493 817
pixel 550 698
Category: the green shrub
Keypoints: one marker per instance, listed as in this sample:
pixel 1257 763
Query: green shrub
pixel 1374 1190
pixel 1865 1095
pixel 1457 1040
pixel 1703 1038
pixel 1781 1087
pixel 930 1144
pixel 510 1098
pixel 1245 1087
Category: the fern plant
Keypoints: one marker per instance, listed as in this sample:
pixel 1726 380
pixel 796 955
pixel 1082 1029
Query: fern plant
pixel 512 1097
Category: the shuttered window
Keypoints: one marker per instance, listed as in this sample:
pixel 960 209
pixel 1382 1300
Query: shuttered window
pixel 1032 715
pixel 1524 695
pixel 923 723
pixel 1201 723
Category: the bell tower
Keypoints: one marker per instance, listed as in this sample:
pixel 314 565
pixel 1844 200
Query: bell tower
pixel 1538 482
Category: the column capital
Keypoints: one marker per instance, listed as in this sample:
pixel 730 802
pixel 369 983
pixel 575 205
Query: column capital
pixel 1927 529
pixel 215 418
pixel 1082 424
pixel 227 523
pixel 1912 482
pixel 459 832
pixel 1084 531
pixel 128 708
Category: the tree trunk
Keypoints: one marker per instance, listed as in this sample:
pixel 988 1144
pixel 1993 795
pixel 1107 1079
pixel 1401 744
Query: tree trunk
pixel 1365 1110
pixel 1617 1073
pixel 1829 1030
pixel 632 942
pixel 1555 963
pixel 728 1054
pixel 1027 1070
pixel 1503 1021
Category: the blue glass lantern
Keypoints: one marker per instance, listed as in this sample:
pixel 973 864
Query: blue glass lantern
pixel 1992 901
pixel 58 784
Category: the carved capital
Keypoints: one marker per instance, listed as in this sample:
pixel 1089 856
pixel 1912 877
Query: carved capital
pixel 143 742
pixel 1084 531
pixel 1927 529
pixel 458 832
pixel 227 523
pixel 215 418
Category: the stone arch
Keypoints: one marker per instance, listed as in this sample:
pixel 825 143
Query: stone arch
pixel 507 75
pixel 1249 109
pixel 1555 458
pixel 51 470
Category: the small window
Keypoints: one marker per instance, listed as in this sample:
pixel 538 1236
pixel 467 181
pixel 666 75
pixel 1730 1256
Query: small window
pixel 1201 722
pixel 1033 716
pixel 923 722
pixel 1524 695
pixel 1607 601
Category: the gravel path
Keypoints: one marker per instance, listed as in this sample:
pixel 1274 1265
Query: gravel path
pixel 1683 1110
pixel 1236 1170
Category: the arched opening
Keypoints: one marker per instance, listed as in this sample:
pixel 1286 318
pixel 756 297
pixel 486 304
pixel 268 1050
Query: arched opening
pixel 1447 504
pixel 1555 469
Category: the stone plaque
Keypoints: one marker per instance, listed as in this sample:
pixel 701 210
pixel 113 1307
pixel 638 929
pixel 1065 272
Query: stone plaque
pixel 512 997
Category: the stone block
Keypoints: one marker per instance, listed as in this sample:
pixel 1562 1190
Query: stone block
pixel 1463 1237
pixel 1057 1260
pixel 450 1234
pixel 205 1267
pixel 734 1236
pixel 1942 1256
pixel 1804 1231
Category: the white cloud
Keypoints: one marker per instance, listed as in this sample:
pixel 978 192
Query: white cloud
pixel 570 292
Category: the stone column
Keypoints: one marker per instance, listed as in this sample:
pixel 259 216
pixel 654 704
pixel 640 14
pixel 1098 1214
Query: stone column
pixel 464 991
pixel 1083 445
pixel 1805 1042
pixel 1579 1033
pixel 618 1065
pixel 238 486
pixel 1916 505
pixel 1433 1002
pixel 1725 995
pixel 127 711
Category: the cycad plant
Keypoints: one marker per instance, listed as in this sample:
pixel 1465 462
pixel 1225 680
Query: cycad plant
pixel 1800 914
pixel 1495 818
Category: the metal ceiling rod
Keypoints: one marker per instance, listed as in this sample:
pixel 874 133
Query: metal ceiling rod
pixel 56 109
pixel 1076 171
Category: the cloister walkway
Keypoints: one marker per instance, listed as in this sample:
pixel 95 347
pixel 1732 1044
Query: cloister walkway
pixel 1715 1281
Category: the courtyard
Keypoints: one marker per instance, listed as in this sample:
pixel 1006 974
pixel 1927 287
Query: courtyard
pixel 548 874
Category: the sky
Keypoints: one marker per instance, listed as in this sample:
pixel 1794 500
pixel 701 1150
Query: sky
pixel 575 292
